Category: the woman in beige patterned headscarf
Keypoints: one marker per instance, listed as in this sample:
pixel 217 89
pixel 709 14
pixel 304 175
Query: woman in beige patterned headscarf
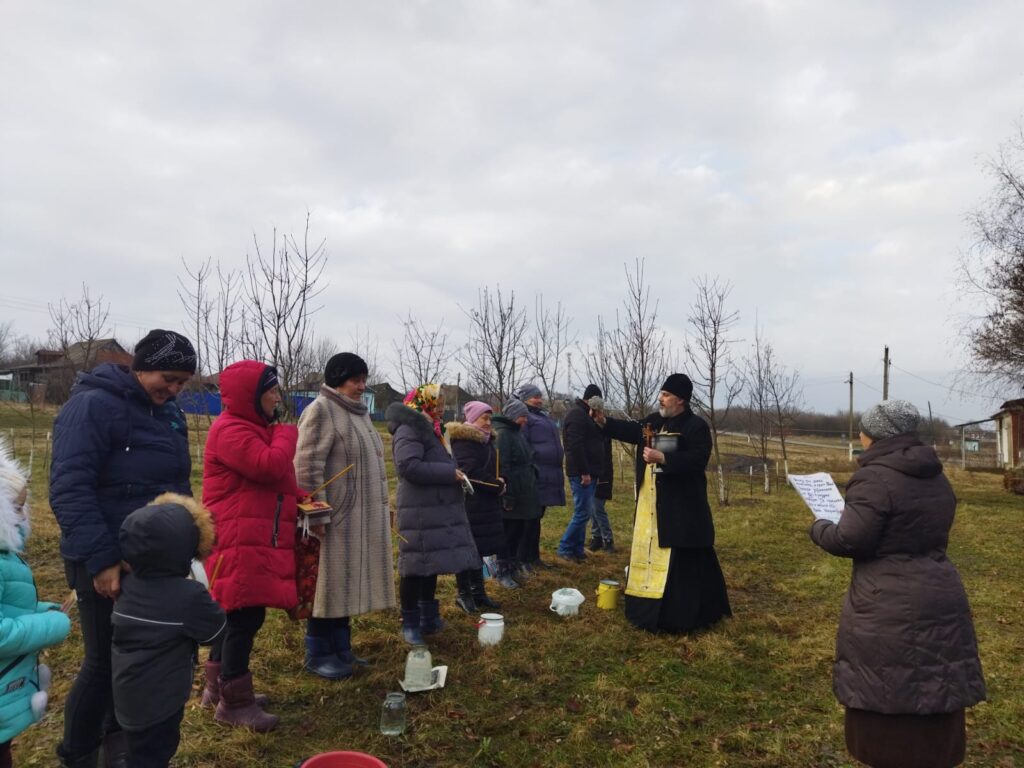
pixel 356 574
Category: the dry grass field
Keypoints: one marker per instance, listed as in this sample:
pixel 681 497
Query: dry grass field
pixel 592 691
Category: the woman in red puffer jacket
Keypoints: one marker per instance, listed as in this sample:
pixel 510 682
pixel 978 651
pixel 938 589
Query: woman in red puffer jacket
pixel 249 487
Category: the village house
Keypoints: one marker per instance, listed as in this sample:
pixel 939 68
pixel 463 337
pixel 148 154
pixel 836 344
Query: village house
pixel 1010 433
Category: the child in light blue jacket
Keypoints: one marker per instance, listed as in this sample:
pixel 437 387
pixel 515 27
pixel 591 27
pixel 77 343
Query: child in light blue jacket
pixel 26 625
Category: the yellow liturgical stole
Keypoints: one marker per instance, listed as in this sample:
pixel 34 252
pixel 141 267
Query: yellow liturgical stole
pixel 648 562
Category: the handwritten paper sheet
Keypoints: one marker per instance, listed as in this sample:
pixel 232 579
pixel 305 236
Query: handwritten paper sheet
pixel 819 492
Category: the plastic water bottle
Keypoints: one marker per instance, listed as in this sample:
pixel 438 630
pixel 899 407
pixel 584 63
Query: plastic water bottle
pixel 392 715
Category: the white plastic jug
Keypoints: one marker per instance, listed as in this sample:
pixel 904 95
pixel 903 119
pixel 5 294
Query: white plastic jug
pixel 566 601
pixel 490 628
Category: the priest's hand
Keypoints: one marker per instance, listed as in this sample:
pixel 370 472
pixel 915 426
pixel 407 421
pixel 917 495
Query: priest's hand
pixel 654 456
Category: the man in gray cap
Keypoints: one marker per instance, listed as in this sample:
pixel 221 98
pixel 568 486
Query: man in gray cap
pixel 675 583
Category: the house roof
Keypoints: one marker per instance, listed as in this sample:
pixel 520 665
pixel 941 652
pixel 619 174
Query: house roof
pixel 1010 406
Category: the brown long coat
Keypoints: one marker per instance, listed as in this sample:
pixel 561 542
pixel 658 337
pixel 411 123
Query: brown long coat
pixel 356 570
pixel 906 642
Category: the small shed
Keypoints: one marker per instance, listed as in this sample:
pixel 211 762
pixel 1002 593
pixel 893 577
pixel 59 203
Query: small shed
pixel 1010 433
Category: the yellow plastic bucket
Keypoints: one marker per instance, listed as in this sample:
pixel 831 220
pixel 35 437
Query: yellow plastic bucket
pixel 608 594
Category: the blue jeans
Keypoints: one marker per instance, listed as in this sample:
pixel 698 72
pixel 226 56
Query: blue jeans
pixel 583 507
pixel 601 527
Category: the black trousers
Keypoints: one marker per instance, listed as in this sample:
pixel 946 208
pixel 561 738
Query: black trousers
pixel 412 589
pixel 516 532
pixel 89 709
pixel 154 747
pixel 234 646
pixel 530 548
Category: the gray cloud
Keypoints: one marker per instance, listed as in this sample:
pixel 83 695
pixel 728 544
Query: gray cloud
pixel 821 156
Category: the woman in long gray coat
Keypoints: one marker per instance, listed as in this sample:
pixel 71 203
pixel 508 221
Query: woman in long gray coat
pixel 355 572
pixel 434 531
pixel 906 654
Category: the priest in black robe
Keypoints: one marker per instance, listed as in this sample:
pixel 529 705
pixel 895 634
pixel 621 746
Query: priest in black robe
pixel 675 582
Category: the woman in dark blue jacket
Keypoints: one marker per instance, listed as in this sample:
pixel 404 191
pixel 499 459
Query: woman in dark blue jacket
pixel 542 433
pixel 119 442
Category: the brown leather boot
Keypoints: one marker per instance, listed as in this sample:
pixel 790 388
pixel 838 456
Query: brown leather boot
pixel 211 693
pixel 237 706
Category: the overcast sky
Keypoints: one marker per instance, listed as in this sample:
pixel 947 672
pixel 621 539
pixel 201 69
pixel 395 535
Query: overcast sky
pixel 821 156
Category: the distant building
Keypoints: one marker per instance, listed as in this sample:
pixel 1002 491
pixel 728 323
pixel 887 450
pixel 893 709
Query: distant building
pixel 50 377
pixel 1010 432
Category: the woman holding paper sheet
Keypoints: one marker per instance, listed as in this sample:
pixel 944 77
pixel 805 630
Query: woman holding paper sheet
pixel 355 573
pixel 906 654
pixel 434 533
pixel 473 447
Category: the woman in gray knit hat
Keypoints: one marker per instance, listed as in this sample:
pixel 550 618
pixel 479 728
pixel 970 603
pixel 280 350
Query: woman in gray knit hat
pixel 906 654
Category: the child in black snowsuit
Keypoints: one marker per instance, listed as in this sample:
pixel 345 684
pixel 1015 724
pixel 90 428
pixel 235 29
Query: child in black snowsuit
pixel 159 621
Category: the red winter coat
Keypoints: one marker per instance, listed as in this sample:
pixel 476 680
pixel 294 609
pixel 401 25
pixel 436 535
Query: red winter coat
pixel 249 486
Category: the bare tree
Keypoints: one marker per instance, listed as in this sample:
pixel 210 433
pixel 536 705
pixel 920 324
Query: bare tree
pixel 423 354
pixel 597 365
pixel 785 396
pixel 549 342
pixel 638 351
pixel 756 372
pixel 993 272
pixel 493 355
pixel 366 345
pixel 281 285
pixel 716 379
pixel 7 337
pixel 225 317
pixel 308 369
pixel 195 298
pixel 75 329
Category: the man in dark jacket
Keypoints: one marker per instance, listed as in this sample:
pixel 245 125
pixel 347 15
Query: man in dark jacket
pixel 584 455
pixel 675 583
pixel 159 620
pixel 601 536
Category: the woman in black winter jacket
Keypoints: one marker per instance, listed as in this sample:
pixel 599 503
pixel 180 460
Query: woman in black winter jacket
pixel 519 505
pixel 474 452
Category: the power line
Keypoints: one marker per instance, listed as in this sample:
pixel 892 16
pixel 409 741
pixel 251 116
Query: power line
pixel 947 388
pixel 873 389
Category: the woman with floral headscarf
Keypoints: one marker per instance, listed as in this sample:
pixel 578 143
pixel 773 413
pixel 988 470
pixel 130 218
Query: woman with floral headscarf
pixel 434 532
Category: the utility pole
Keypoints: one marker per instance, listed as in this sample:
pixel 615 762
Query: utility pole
pixel 850 433
pixel 885 375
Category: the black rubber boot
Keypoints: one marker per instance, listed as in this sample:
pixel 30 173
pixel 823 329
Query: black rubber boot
pixel 483 602
pixel 465 599
pixel 430 618
pixel 411 632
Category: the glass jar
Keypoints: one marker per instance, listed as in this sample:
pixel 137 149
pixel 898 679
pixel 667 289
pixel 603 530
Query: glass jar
pixel 392 715
pixel 419 673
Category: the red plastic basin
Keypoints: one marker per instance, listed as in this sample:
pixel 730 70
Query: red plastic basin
pixel 344 760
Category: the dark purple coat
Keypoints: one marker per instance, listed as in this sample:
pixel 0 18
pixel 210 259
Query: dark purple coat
pixel 541 432
pixel 906 642
pixel 474 452
pixel 431 507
